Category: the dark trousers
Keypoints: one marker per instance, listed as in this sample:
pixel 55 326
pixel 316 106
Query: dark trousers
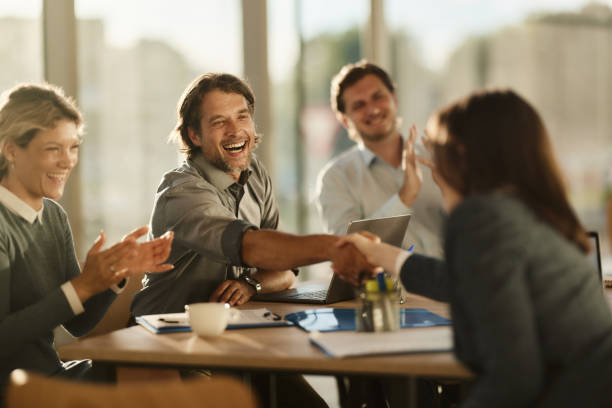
pixel 368 392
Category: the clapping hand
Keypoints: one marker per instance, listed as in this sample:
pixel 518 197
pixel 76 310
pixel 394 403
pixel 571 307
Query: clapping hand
pixel 108 267
pixel 149 255
pixel 413 177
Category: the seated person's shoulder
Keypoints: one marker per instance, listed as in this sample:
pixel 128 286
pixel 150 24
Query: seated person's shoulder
pixel 54 210
pixel 491 205
pixel 183 179
pixel 344 162
pixel 500 214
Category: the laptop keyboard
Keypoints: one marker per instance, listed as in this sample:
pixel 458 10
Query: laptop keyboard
pixel 320 294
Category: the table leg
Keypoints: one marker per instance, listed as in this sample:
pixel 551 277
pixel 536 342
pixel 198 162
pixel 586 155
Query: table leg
pixel 273 401
pixel 412 387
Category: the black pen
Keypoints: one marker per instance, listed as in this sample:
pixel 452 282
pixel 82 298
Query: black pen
pixel 161 319
pixel 274 316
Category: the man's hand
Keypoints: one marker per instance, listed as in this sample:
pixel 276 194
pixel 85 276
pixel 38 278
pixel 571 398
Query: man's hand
pixel 234 292
pixel 351 265
pixel 413 176
pixel 450 195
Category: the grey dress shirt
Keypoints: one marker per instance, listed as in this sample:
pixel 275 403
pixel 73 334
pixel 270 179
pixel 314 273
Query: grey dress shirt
pixel 208 212
pixel 358 184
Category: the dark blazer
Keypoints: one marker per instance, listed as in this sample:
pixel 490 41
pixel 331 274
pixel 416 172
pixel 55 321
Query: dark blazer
pixel 529 315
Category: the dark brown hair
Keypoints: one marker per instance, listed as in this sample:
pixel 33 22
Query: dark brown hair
pixel 349 75
pixel 496 140
pixel 189 107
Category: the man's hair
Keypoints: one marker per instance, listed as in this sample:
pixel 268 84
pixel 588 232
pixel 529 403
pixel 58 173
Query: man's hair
pixel 27 109
pixel 495 141
pixel 189 109
pixel 349 75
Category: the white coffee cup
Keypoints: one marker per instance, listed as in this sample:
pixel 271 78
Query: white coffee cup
pixel 210 319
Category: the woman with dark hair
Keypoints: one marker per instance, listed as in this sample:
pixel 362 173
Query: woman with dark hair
pixel 529 316
pixel 41 283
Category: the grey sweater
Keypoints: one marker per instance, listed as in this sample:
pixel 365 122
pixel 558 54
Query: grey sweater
pixel 529 315
pixel 35 259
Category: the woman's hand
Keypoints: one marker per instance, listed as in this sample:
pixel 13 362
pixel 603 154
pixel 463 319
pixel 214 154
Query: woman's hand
pixel 149 255
pixel 102 267
pixel 105 268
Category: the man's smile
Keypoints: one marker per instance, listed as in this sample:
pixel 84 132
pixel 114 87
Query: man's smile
pixel 235 147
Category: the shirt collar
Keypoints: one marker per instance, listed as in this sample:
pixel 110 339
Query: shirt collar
pixel 217 177
pixel 367 155
pixel 19 207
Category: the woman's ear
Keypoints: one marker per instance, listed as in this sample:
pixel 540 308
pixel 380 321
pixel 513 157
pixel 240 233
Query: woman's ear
pixel 8 150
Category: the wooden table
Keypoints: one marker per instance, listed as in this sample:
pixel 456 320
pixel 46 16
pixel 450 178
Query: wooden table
pixel 273 350
pixel 279 349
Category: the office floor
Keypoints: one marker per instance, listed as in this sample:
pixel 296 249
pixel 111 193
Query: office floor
pixel 326 387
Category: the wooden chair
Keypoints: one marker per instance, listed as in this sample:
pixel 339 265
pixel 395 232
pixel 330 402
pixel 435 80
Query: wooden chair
pixel 118 313
pixel 116 318
pixel 27 390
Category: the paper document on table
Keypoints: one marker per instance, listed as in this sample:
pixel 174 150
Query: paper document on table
pixel 177 322
pixel 165 322
pixel 417 340
pixel 257 318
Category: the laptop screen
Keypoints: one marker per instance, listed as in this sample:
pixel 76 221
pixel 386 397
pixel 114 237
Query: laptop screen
pixel 595 256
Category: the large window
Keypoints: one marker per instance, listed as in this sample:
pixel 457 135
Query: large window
pixel 20 42
pixel 134 63
pixel 558 56
pixel 306 49
pixel 135 60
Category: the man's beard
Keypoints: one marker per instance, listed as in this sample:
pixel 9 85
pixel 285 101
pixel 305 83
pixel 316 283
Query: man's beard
pixel 224 166
pixel 375 137
pixel 219 162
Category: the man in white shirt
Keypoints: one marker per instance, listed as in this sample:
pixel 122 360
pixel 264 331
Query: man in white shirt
pixel 369 180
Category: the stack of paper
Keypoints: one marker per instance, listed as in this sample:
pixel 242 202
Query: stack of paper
pixel 347 343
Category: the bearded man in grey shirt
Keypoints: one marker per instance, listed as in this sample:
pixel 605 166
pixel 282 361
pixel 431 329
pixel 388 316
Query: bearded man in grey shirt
pixel 221 206
pixel 369 180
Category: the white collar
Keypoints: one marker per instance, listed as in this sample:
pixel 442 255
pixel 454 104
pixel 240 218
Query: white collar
pixel 19 207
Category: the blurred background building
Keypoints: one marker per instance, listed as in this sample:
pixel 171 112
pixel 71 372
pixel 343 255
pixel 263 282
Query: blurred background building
pixel 135 58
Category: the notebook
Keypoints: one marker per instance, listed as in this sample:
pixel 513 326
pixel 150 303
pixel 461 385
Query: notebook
pixel 390 230
pixel 341 319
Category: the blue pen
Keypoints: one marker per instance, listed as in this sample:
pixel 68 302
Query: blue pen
pixel 382 283
pixel 411 248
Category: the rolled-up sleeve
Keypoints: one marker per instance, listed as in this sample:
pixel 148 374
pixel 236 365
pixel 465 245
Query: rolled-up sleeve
pixel 200 221
pixel 231 240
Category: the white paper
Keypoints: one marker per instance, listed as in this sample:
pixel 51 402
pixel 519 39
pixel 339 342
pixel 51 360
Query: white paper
pixel 410 340
pixel 247 317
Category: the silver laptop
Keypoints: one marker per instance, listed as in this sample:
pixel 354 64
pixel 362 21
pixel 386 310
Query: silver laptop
pixel 595 255
pixel 390 230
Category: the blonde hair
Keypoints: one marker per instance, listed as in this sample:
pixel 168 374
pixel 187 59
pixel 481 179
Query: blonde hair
pixel 29 108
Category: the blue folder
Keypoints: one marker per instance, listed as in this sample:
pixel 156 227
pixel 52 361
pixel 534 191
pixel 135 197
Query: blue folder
pixel 338 319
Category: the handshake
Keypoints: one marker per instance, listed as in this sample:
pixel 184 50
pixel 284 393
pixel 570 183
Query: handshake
pixel 359 257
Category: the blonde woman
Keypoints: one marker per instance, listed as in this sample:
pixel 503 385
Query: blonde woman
pixel 41 283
